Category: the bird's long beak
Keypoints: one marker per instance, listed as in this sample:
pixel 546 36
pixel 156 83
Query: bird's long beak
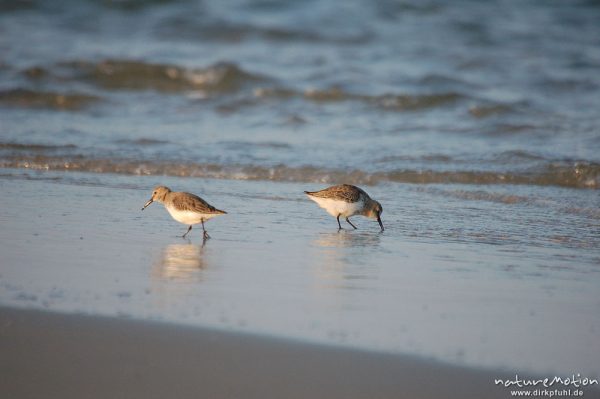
pixel 379 220
pixel 148 203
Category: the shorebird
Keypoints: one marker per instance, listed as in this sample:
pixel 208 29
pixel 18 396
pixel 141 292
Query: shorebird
pixel 346 200
pixel 186 208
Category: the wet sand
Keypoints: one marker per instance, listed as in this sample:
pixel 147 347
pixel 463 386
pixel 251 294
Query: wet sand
pixel 71 356
pixel 277 266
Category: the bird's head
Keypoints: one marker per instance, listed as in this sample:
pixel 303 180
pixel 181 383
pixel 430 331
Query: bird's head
pixel 158 194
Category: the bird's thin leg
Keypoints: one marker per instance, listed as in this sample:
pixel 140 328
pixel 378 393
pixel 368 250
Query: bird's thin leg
pixel 338 219
pixel 188 230
pixel 206 236
pixel 350 223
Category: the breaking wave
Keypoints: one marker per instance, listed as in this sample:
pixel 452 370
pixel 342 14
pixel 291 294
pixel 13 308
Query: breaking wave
pixel 25 98
pixel 219 79
pixel 391 102
pixel 138 75
pixel 565 174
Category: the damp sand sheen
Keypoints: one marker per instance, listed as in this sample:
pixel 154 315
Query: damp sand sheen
pixel 392 292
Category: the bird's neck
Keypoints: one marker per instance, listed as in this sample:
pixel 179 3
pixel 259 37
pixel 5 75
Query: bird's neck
pixel 368 208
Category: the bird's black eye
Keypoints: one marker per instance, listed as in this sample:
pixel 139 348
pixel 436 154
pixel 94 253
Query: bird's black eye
pixel 154 193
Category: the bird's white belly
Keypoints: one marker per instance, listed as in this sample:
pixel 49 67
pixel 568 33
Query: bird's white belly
pixel 336 207
pixel 189 217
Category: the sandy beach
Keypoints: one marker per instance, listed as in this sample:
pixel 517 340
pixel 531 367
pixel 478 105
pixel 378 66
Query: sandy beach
pixel 89 249
pixel 70 356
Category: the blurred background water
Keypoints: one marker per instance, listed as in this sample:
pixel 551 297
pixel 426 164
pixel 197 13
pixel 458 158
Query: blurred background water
pixel 323 91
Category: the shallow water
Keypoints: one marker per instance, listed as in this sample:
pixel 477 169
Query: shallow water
pixel 469 281
pixel 475 124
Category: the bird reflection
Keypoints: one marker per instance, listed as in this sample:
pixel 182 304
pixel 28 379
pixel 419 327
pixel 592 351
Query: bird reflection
pixel 343 260
pixel 344 239
pixel 182 262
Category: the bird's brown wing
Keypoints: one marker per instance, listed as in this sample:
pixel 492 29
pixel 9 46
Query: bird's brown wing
pixel 191 202
pixel 343 192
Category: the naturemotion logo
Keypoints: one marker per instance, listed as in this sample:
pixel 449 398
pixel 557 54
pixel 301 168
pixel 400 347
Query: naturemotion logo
pixel 575 381
pixel 543 384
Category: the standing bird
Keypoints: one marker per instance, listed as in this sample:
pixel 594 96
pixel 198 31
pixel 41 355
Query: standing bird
pixel 346 200
pixel 186 208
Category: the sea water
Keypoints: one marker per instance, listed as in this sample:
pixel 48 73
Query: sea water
pixel 475 124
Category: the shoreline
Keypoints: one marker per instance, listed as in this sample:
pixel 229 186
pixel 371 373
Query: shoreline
pixel 74 356
pixel 457 301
